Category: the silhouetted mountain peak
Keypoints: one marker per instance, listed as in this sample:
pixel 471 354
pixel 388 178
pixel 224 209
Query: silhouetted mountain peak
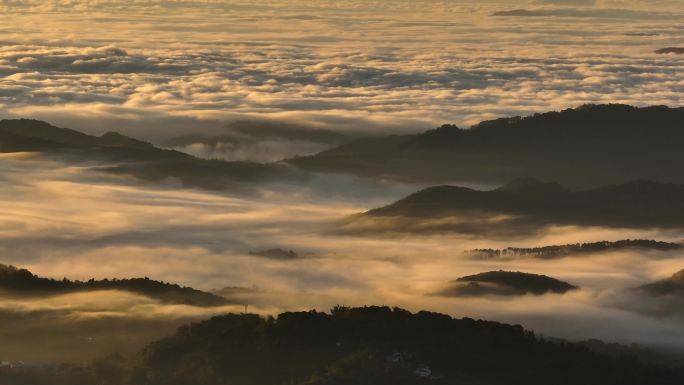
pixel 38 129
pixel 25 124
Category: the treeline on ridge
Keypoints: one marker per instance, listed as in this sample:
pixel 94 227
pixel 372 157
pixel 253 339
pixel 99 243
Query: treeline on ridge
pixel 22 282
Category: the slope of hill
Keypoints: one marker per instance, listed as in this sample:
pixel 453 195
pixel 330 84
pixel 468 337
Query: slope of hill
pixel 377 345
pixel 666 50
pixel 663 299
pixel 504 283
pixel 560 251
pixel 128 156
pixel 526 205
pixel 673 285
pixel 364 346
pixel 586 146
pixel 21 282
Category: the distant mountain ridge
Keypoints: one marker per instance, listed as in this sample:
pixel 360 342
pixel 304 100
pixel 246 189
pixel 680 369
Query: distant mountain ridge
pixel 528 204
pixel 560 251
pixel 585 146
pixel 22 282
pixel 36 135
pixel 129 156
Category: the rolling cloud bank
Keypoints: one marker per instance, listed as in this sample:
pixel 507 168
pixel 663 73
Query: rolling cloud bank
pixel 164 162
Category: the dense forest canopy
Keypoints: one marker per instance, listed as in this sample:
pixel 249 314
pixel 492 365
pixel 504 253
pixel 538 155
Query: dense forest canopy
pixel 377 345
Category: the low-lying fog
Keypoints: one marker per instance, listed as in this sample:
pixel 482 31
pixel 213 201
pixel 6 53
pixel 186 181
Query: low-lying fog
pixel 64 221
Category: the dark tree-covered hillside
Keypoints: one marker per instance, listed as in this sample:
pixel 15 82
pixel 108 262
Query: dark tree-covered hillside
pixel 128 156
pixel 585 146
pixel 377 345
pixel 505 283
pixel 526 205
pixel 21 282
pixel 560 251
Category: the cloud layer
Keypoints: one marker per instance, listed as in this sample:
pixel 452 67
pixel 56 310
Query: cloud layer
pixel 159 69
pixel 65 221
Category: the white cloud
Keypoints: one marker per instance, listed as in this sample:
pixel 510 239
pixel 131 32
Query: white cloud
pixel 156 69
pixel 60 220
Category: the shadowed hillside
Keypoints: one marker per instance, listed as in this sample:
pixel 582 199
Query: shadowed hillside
pixel 361 346
pixel 663 298
pixel 127 156
pixel 376 345
pixel 504 283
pixel 21 282
pixel 527 205
pixel 586 146
pixel 673 286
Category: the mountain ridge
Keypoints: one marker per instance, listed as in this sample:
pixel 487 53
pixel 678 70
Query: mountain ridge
pixel 124 155
pixel 22 282
pixel 528 205
pixel 585 146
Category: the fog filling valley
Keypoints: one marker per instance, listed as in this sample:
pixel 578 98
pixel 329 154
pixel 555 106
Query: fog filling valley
pixel 60 221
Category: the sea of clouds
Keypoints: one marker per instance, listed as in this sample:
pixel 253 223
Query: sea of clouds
pixel 164 68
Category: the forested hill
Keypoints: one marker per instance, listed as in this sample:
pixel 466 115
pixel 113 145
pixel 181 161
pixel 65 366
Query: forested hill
pixel 121 154
pixel 21 282
pixel 560 251
pixel 526 205
pixel 505 283
pixel 585 146
pixel 375 346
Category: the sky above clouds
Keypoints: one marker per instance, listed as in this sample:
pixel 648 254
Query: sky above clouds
pixel 162 68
